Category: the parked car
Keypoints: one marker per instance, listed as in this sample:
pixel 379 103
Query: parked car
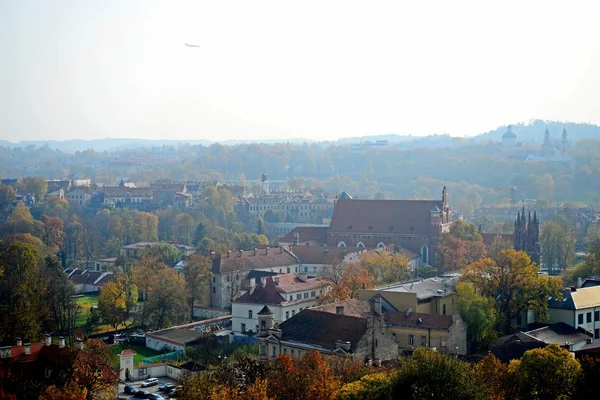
pixel 155 396
pixel 141 394
pixel 130 389
pixel 174 393
pixel 150 382
pixel 166 387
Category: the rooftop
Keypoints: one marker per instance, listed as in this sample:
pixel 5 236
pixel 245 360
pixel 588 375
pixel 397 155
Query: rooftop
pixel 559 333
pixel 425 288
pixel 181 336
pixel 577 298
pixel 417 320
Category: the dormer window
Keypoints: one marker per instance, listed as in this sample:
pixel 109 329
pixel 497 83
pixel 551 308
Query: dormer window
pixel 370 227
pixel 391 228
pixel 349 226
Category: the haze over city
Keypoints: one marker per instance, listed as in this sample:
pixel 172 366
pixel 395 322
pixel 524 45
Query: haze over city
pixel 314 70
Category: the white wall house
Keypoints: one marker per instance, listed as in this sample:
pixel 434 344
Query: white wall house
pixel 285 295
pixel 579 308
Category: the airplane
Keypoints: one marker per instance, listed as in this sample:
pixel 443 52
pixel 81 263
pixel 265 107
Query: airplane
pixel 191 45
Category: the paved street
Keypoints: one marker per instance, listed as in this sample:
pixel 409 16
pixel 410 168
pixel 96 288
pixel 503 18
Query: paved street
pixel 151 389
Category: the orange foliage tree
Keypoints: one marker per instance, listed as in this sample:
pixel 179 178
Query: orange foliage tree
pixel 344 281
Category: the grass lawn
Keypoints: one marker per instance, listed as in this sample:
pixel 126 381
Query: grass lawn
pixel 142 351
pixel 85 303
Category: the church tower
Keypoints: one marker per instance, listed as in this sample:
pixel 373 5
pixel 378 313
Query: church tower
pixel 264 182
pixel 564 142
pixel 547 147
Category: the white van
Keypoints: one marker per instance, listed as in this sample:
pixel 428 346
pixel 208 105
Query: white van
pixel 150 382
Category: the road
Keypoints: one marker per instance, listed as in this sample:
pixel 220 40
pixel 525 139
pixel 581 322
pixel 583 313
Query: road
pixel 151 389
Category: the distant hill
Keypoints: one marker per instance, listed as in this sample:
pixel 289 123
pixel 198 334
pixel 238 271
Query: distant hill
pixel 533 132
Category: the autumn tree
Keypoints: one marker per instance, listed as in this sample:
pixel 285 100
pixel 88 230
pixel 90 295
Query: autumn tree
pixel 514 284
pixel 164 252
pixel 197 277
pixel 479 314
pixel 53 232
pixel 117 301
pixel 493 372
pixel 461 246
pixel 344 281
pixel 7 196
pixel 95 370
pixel 546 373
pixel 386 267
pixel 498 244
pixel 167 300
pixel 590 266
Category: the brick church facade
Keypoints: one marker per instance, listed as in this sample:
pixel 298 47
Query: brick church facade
pixel 413 224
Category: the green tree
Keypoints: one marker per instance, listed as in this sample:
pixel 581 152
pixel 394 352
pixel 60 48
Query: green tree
pixel 426 271
pixel 432 375
pixel 21 292
pixel 547 373
pixel 200 233
pixel 557 243
pixel 479 314
pixel 164 252
pixel 63 310
pixel 260 230
pixel 167 299
pixel 184 229
pixel 465 231
pixel 36 185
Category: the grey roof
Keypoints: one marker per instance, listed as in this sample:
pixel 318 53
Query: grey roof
pixel 566 303
pixel 425 288
pixel 559 333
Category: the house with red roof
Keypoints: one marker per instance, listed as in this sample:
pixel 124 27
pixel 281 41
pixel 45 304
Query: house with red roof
pixel 285 294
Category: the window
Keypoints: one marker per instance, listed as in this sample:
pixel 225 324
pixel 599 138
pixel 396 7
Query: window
pixel 423 340
pixel 293 312
pixel 443 343
pixel 263 350
pixel 287 314
pixel 411 339
pixel 288 270
pixel 285 350
pixel 274 351
pixel 306 295
pixel 444 309
pixel 596 316
pixel 588 317
pixel 580 319
pixel 596 333
pixel 249 314
pixel 214 289
pixel 292 351
pixel 305 269
pixel 243 328
pixel 298 296
pixel 313 293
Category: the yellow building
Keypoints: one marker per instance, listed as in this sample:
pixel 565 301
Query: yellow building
pixel 435 296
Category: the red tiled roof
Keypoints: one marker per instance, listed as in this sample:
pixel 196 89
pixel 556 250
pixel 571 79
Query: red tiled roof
pixel 307 233
pixel 18 352
pixel 383 216
pixel 127 352
pixel 267 294
pixel 265 311
pixel 418 320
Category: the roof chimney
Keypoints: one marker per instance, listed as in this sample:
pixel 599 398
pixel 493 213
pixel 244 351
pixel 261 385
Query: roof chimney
pixel 303 277
pixel 241 252
pixel 61 342
pixel 267 250
pixel 579 282
pixel 377 307
pixel 408 311
pixel 252 284
pixel 228 253
pixel 339 310
pixel 255 250
pixel 27 349
pixel 79 343
pixel 19 341
pixel 296 238
pixel 48 339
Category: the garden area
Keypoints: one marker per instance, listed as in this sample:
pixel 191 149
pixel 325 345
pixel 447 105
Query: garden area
pixel 142 351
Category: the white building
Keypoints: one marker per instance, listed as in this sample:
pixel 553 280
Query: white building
pixel 579 308
pixel 285 295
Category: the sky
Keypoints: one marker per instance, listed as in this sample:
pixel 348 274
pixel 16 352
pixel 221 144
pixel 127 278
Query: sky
pixel 275 69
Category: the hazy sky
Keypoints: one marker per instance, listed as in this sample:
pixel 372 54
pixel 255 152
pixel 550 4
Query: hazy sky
pixel 319 70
